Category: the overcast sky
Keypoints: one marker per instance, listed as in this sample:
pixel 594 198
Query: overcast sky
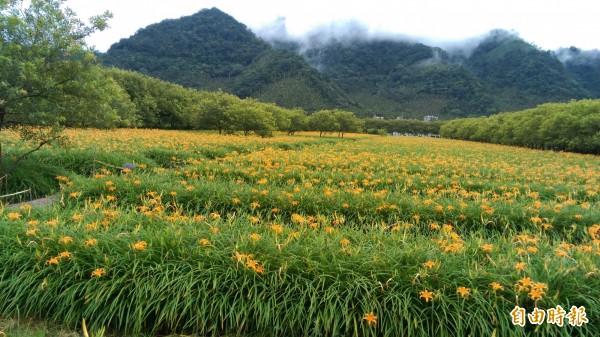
pixel 549 24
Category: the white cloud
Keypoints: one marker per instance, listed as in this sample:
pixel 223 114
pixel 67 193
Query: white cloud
pixel 550 24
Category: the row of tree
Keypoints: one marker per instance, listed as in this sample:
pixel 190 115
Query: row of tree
pixel 50 79
pixel 573 126
pixel 160 104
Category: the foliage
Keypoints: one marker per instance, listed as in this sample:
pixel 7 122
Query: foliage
pixel 404 126
pixel 189 50
pixel 573 126
pixel 380 76
pixel 347 122
pixel 160 104
pixel 520 75
pixel 327 237
pixel 323 121
pixel 248 117
pixel 275 66
pixel 583 66
pixel 49 78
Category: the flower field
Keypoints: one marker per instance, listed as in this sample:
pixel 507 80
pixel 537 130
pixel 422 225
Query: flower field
pixel 306 236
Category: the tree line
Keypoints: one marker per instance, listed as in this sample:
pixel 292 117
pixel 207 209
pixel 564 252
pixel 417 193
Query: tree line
pixel 573 126
pixel 165 105
pixel 50 79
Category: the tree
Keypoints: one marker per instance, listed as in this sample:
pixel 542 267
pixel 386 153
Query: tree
pixel 47 72
pixel 211 111
pixel 298 121
pixel 248 116
pixel 323 121
pixel 347 122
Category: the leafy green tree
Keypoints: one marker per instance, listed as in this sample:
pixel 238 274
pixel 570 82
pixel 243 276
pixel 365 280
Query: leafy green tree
pixel 48 73
pixel 347 122
pixel 248 116
pixel 210 112
pixel 323 121
pixel 282 116
pixel 298 121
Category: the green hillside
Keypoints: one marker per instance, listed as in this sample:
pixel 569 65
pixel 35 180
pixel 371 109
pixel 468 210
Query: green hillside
pixel 520 75
pixel 210 50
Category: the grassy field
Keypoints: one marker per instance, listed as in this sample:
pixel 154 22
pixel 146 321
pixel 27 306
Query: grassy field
pixel 304 236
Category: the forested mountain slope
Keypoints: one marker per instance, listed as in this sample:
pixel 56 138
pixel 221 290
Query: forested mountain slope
pixel 370 76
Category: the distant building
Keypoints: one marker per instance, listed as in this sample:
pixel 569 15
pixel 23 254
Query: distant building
pixel 378 117
pixel 430 118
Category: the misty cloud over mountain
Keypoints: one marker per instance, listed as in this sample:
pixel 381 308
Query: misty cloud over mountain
pixel 347 65
pixel 277 34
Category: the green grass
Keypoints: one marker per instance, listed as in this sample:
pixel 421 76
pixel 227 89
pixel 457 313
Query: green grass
pixel 307 240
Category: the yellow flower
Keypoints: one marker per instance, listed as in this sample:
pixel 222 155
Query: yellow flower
pixel 254 236
pixel 140 245
pixel 520 266
pixel 277 228
pixel 98 272
pixel 525 282
pixel 429 264
pixel 344 242
pixel 52 260
pixel 255 204
pixel 496 286
pixel 91 242
pixel 536 294
pixel 252 264
pixel 215 216
pixel 297 218
pixel 74 194
pixel 370 318
pixel 65 240
pixel 463 291
pixel 14 216
pixel 32 232
pixel 204 242
pixel 561 253
pixel 594 231
pixel 487 247
pixel 426 295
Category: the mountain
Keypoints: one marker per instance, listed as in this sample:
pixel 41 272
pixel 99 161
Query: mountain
pixel 584 66
pixel 370 76
pixel 211 50
pixel 392 78
pixel 520 75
